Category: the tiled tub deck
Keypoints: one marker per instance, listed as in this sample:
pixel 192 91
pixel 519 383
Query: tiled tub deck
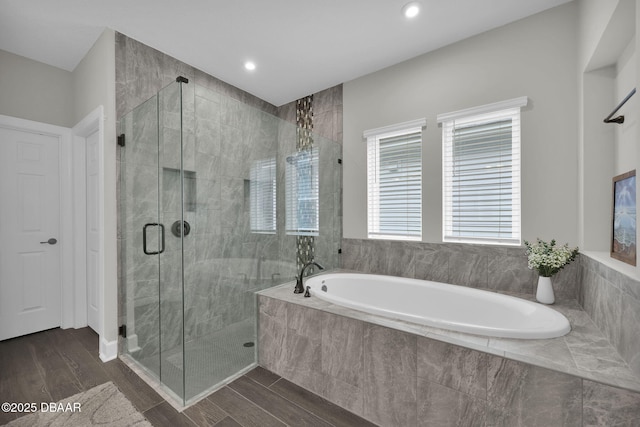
pixel 396 373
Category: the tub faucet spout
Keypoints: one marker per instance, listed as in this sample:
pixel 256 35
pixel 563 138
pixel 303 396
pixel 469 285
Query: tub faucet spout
pixel 299 285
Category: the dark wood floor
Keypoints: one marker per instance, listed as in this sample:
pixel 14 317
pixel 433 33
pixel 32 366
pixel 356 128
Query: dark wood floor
pixel 52 365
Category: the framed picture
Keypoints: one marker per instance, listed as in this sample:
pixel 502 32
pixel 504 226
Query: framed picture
pixel 623 236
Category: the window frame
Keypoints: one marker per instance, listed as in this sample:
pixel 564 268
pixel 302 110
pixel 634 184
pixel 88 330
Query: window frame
pixel 372 138
pixel 485 114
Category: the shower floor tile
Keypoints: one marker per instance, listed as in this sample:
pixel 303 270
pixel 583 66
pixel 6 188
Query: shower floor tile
pixel 209 360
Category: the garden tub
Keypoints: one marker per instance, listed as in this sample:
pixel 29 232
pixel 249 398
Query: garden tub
pixel 440 305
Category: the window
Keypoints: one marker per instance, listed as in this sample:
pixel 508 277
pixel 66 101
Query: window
pixel 481 174
pixel 263 196
pixel 394 181
pixel 302 198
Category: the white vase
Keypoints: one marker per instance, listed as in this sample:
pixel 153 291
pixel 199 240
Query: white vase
pixel 544 294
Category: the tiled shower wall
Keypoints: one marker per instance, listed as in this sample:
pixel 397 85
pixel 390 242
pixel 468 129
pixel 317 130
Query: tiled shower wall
pixel 224 129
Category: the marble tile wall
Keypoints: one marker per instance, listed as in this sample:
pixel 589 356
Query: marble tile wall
pixel 612 299
pixel 224 131
pixel 395 378
pixel 495 268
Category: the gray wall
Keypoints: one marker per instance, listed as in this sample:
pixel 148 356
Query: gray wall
pixel 534 57
pixel 94 85
pixel 35 91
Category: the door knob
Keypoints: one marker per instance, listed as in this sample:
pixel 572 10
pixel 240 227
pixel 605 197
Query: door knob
pixel 51 241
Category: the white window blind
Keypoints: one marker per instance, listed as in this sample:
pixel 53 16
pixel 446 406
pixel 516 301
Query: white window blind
pixel 481 175
pixel 303 193
pixel 394 175
pixel 263 196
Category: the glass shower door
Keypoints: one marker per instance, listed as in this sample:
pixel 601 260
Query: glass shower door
pixel 141 235
pixel 152 244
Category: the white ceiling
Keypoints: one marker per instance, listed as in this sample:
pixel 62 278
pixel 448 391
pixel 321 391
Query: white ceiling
pixel 299 46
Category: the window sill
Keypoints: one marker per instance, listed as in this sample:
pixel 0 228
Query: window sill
pixel 605 259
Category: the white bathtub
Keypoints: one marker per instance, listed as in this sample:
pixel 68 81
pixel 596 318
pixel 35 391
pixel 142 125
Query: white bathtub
pixel 440 305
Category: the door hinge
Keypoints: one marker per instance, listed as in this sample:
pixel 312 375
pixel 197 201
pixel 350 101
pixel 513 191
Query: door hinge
pixel 121 140
pixel 339 250
pixel 122 331
pixel 339 161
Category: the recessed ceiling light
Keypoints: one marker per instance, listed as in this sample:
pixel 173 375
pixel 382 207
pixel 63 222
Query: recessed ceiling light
pixel 411 10
pixel 250 65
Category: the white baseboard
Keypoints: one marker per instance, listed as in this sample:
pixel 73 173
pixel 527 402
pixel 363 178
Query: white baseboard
pixel 108 350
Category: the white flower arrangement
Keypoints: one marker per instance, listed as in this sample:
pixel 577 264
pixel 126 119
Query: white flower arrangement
pixel 547 258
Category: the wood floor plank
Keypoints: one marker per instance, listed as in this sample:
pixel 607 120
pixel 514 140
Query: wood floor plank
pixel 24 382
pixel 90 340
pixel 277 405
pixel 88 371
pixel 242 410
pixel 205 413
pixel 228 422
pixel 262 376
pixel 53 364
pixel 163 415
pixel 59 380
pixel 317 405
pixel 141 395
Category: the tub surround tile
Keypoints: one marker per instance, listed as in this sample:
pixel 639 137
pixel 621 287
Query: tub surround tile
pixel 510 273
pixel 440 406
pixel 606 311
pixel 629 335
pixel 432 265
pixel 302 368
pixel 566 283
pixel 395 352
pixel 612 300
pixel 342 349
pixel 553 354
pixel 545 351
pixel 497 268
pixel 345 395
pixel 389 376
pixel 455 367
pixel 403 384
pixel 468 270
pixel 473 342
pixel 523 395
pixel 272 334
pixel 609 406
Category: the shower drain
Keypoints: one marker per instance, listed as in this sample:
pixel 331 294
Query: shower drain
pixel 248 344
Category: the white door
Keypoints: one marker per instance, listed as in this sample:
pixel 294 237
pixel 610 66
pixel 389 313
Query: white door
pixel 93 230
pixel 29 229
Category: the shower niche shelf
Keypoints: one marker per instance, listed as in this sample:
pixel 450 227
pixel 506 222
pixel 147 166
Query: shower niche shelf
pixel 171 190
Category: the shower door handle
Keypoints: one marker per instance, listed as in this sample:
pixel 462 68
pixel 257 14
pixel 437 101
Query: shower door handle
pixel 144 238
